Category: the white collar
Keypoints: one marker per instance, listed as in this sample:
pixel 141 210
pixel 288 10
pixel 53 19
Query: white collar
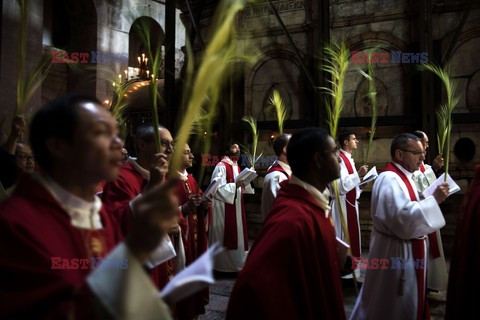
pixel 183 175
pixel 83 214
pixel 348 154
pixel 317 195
pixel 227 159
pixel 144 173
pixel 285 167
pixel 405 171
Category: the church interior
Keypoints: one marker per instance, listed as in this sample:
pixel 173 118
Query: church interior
pixel 101 48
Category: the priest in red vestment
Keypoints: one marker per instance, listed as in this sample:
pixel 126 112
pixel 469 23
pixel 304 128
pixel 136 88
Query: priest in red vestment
pixel 292 270
pixel 133 179
pixel 196 214
pixel 464 281
pixel 61 254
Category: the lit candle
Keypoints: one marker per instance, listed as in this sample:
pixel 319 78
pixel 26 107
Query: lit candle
pixel 106 101
pixel 146 59
pixel 113 84
pixel 143 56
pixel 120 77
pixel 126 74
pixel 148 73
pixel 139 62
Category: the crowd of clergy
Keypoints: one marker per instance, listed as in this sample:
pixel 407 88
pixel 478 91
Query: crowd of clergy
pixel 73 196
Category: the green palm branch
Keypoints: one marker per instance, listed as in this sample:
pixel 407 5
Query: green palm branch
pixel 336 65
pixel 208 80
pixel 372 95
pixel 444 111
pixel 280 109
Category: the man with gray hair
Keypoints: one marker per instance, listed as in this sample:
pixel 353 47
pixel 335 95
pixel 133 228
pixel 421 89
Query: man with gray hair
pixel 394 286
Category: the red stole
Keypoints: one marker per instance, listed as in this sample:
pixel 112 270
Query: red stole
pixel 352 218
pixel 418 251
pixel 422 168
pixel 277 167
pixel 195 241
pixel 230 240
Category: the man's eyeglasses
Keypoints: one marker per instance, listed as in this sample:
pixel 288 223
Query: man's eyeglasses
pixel 166 143
pixel 24 156
pixel 416 153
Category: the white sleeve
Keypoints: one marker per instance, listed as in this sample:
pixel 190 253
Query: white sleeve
pixel 226 191
pixel 271 185
pixel 347 181
pixel 127 293
pixel 393 212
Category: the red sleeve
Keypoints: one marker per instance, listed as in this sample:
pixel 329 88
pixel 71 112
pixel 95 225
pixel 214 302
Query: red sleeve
pixel 116 197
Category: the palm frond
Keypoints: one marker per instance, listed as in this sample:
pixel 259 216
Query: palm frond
pixel 154 62
pixel 253 127
pixel 336 64
pixel 444 111
pixel 208 80
pixel 372 95
pixel 280 109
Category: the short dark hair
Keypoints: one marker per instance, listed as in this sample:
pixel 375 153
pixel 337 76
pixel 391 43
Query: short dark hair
pixel 58 118
pixel 344 135
pixel 400 142
pixel 419 134
pixel 302 146
pixel 280 143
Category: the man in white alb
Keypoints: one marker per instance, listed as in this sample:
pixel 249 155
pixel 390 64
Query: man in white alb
pixel 396 288
pixel 278 172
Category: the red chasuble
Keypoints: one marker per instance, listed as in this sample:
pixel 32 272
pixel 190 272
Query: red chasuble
pixel 464 280
pixel 291 271
pixel 116 197
pixel 34 232
pixel 196 243
pixel 117 194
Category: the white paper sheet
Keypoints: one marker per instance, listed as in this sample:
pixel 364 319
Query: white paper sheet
pixel 247 175
pixel 370 176
pixel 212 188
pixel 165 251
pixel 193 278
pixel 453 187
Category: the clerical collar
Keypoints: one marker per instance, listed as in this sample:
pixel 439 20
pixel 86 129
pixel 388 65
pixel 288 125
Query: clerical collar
pixel 83 214
pixel 348 154
pixel 285 167
pixel 405 171
pixel 228 160
pixel 144 173
pixel 317 195
pixel 183 175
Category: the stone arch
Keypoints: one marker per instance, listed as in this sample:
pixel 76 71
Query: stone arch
pixel 135 45
pixel 463 63
pixel 390 78
pixel 276 68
